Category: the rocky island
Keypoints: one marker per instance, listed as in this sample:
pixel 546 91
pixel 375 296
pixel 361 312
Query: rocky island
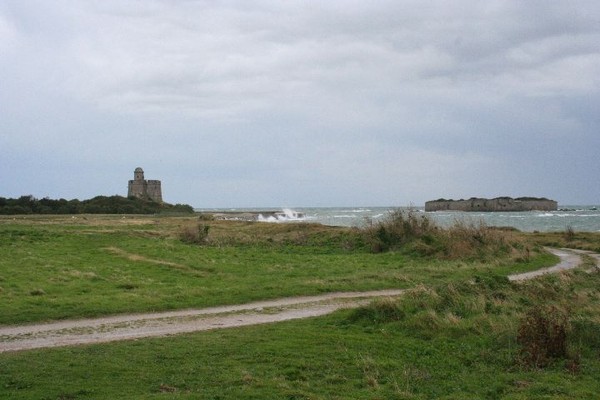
pixel 496 204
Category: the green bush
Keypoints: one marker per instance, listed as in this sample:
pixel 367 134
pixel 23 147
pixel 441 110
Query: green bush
pixel 97 205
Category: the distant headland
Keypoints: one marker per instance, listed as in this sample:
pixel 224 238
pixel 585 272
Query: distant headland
pixel 490 205
pixel 143 197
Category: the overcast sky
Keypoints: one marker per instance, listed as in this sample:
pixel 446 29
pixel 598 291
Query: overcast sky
pixel 301 103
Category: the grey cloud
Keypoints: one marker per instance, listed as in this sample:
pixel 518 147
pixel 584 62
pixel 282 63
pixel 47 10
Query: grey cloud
pixel 223 61
pixel 407 99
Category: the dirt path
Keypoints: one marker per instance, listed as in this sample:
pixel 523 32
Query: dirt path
pixel 122 327
pixel 568 259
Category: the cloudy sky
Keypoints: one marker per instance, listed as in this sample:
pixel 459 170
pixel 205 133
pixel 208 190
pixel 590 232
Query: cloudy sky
pixel 301 103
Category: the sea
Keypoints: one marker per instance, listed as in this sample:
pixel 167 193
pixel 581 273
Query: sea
pixel 576 217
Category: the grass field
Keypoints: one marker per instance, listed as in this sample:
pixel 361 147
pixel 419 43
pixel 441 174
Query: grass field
pixel 56 268
pixel 458 334
pixel 448 341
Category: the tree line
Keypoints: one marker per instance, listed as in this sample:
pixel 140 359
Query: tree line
pixel 97 205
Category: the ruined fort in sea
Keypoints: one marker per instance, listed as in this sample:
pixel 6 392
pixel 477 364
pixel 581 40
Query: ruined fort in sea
pixel 144 189
pixel 496 204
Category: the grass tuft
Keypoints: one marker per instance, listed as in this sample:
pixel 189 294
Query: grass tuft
pixel 542 336
pixel 415 233
pixel 194 233
pixel 379 311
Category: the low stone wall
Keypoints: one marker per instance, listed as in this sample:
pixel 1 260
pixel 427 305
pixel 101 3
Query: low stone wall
pixel 497 204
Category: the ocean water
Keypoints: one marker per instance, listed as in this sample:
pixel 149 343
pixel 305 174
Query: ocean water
pixel 579 218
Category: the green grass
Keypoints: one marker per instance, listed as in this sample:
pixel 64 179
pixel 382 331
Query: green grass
pixel 454 336
pixel 62 267
pixel 447 341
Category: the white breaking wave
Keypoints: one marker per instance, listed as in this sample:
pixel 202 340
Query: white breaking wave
pixel 555 215
pixel 285 215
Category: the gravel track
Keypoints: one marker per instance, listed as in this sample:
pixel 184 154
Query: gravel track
pixel 134 326
pixel 568 259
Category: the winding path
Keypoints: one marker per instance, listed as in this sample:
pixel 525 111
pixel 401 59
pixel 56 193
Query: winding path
pixel 123 327
pixel 568 259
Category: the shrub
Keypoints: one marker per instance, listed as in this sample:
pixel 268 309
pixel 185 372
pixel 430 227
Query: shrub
pixel 206 217
pixel 195 233
pixel 416 233
pixel 398 228
pixel 542 336
pixel 97 205
pixel 569 233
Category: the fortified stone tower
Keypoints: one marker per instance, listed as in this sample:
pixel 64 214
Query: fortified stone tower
pixel 139 187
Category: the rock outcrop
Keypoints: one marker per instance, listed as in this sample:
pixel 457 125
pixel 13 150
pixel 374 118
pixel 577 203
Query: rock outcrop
pixel 496 204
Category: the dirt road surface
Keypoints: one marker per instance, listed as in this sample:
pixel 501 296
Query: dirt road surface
pixel 568 259
pixel 122 327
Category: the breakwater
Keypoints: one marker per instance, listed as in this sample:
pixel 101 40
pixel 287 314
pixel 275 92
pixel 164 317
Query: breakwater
pixel 491 205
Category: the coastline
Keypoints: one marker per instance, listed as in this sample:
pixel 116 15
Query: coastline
pixel 585 218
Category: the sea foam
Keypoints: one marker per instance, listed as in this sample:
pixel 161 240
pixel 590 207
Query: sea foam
pixel 285 215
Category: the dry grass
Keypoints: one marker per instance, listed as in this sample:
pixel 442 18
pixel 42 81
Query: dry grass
pixel 417 233
pixel 569 238
pixel 552 324
pixel 542 336
pixel 195 233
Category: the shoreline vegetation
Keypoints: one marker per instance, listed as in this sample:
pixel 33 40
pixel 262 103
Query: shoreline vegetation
pixel 28 205
pixel 462 331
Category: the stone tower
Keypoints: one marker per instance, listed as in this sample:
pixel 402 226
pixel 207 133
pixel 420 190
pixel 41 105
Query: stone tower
pixel 144 189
